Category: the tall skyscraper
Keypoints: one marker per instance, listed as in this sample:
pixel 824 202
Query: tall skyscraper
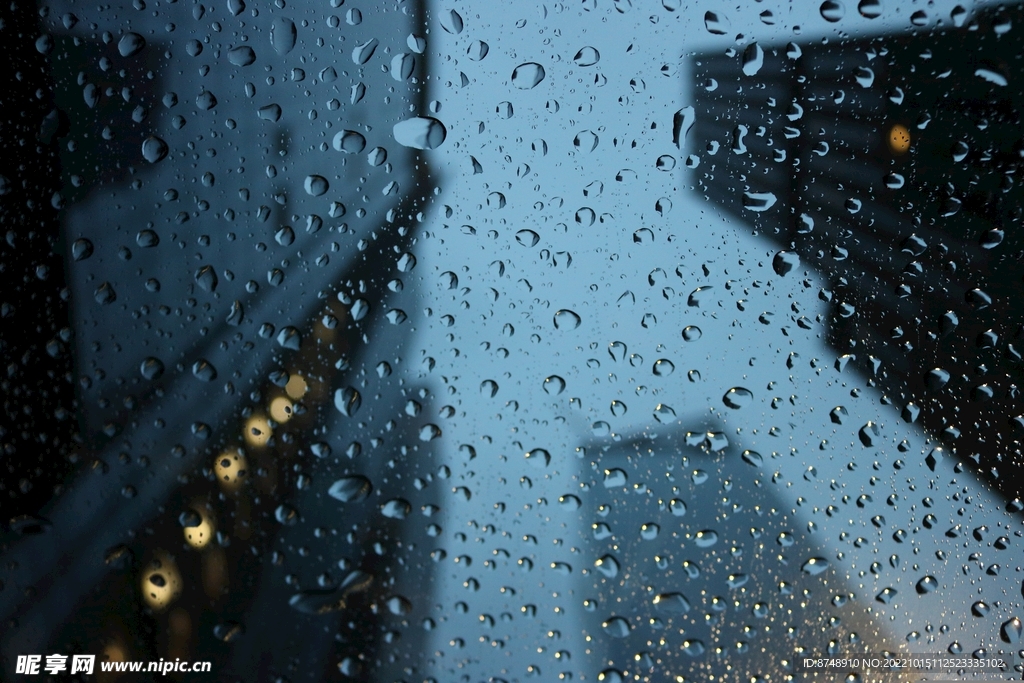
pixel 890 165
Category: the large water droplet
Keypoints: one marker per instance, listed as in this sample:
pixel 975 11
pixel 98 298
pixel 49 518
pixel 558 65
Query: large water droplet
pixel 527 238
pixel 832 10
pixel 81 249
pixel 396 508
pixel 608 566
pixel 785 261
pixel 151 368
pixel 527 75
pixel 753 59
pixel 347 401
pixel 758 201
pixel 538 457
pixel 927 585
pixel 204 370
pixel 735 581
pixel 286 514
pixel 402 66
pixel 870 9
pixel 270 112
pixel 283 35
pixel 752 458
pixel 554 385
pixel 566 320
pixel 737 398
pixel 716 23
pixel 616 627
pixel 349 141
pixel 664 413
pixel 399 605
pixel 815 565
pixel 682 122
pixel 663 367
pixel 671 603
pixel 206 278
pixel 154 149
pixel 429 432
pixel 361 53
pixel 242 56
pixel 131 44
pixel 451 21
pixel 705 538
pixel 316 185
pixel 614 478
pixel 350 489
pixel 1011 630
pixel 587 56
pixel 420 132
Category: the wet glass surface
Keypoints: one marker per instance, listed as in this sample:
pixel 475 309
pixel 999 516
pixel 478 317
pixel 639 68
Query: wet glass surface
pixel 606 340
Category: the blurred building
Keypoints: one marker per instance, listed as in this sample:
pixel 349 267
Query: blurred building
pixel 890 164
pixel 227 274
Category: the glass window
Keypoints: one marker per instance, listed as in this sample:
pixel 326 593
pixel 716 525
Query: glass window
pixel 600 340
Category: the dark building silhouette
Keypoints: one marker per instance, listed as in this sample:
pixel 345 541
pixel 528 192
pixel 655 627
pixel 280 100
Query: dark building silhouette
pixel 118 457
pixel 891 165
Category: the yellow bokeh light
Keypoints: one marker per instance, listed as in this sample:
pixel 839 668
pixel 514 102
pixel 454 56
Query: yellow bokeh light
pixel 114 651
pixel 200 536
pixel 296 387
pixel 231 468
pixel 257 431
pixel 280 410
pixel 161 581
pixel 899 139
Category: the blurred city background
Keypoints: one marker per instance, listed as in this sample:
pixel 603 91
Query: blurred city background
pixel 600 340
